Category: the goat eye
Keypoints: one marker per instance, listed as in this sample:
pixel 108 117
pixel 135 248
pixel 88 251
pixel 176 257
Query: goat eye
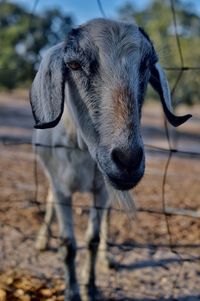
pixel 74 65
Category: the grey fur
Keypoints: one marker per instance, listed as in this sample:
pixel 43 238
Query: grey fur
pixel 100 127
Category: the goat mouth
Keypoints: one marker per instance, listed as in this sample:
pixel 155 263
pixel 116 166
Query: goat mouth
pixel 120 184
pixel 123 182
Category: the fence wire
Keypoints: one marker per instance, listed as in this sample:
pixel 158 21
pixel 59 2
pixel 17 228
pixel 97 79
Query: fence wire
pixel 170 151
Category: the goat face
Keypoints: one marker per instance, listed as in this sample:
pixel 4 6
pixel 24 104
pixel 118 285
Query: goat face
pixel 107 73
pixel 102 71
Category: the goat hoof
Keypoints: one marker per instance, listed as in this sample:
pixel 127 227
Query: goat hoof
pixel 90 293
pixel 109 262
pixel 71 296
pixel 112 264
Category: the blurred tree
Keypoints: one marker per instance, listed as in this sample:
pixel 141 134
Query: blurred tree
pixel 157 20
pixel 23 36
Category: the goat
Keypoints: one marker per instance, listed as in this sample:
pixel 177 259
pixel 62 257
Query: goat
pixel 94 83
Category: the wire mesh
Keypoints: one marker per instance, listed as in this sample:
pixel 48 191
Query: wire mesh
pixel 165 211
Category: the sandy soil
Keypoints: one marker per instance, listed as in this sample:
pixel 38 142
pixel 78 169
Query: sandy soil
pixel 152 264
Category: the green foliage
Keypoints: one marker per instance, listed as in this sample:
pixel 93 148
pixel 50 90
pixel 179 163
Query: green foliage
pixel 23 36
pixel 157 20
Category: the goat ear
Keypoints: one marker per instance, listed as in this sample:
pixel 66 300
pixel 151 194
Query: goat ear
pixel 159 83
pixel 47 92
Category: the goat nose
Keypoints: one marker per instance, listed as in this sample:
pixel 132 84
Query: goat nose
pixel 128 160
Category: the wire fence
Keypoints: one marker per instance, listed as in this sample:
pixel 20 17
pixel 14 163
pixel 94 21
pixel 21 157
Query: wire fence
pixel 169 152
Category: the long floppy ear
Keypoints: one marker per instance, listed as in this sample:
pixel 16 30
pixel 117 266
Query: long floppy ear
pixel 47 92
pixel 159 83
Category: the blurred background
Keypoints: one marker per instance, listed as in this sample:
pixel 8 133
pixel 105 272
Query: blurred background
pixel 158 253
pixel 28 28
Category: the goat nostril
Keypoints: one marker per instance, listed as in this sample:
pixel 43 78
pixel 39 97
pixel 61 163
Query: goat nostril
pixel 118 157
pixel 128 160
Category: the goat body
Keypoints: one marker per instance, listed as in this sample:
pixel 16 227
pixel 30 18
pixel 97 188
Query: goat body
pixel 94 84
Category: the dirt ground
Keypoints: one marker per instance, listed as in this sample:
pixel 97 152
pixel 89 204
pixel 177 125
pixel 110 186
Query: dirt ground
pixel 152 265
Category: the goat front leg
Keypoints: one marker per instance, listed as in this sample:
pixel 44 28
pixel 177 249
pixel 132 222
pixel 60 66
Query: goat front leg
pixel 68 243
pixel 105 257
pixel 93 238
pixel 45 230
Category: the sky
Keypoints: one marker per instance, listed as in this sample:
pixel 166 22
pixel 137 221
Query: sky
pixel 83 10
